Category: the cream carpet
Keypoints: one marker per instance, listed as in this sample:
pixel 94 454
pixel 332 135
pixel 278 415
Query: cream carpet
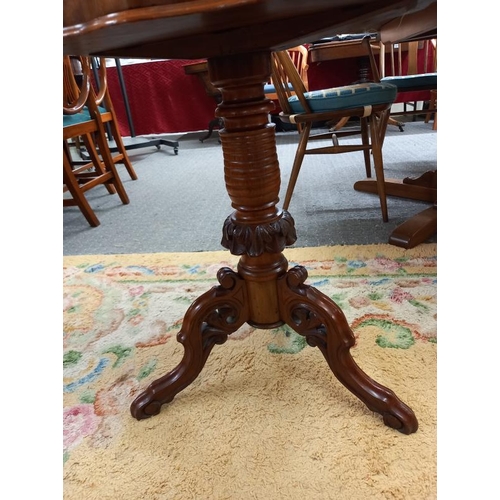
pixel 266 419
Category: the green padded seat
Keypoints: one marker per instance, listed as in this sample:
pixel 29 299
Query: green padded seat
pixel 84 116
pixel 423 80
pixel 350 96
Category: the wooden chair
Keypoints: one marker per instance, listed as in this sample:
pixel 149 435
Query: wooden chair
pixel 108 115
pixel 368 44
pixel 412 67
pixel 82 118
pixel 200 69
pixel 370 102
pixel 299 56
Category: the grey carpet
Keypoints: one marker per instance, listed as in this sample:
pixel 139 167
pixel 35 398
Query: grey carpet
pixel 179 203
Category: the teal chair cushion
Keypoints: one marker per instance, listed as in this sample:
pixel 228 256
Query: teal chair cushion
pixel 269 88
pixel 350 96
pixel 427 80
pixel 84 116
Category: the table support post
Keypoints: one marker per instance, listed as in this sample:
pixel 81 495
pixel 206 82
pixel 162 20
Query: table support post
pixel 262 293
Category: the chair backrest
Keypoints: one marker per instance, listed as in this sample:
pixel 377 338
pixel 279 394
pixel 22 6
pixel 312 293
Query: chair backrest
pixel 287 81
pixel 93 91
pixel 75 96
pixel 298 56
pixel 408 58
pixel 100 82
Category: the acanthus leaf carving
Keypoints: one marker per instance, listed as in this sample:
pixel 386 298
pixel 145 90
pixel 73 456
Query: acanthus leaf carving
pixel 251 240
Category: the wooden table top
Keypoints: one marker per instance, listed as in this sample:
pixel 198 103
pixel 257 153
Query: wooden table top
pixel 196 29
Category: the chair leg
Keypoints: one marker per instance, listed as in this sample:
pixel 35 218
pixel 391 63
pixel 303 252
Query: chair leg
pixel 377 125
pixel 129 167
pixel 79 199
pixel 394 122
pixel 77 181
pixel 366 142
pixel 432 109
pixel 96 162
pixel 123 152
pixel 340 124
pixel 297 163
pixel 385 120
pixel 67 150
pixel 103 145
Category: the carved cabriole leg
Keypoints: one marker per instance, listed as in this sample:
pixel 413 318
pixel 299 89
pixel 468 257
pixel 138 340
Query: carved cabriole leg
pixel 312 314
pixel 257 230
pixel 208 321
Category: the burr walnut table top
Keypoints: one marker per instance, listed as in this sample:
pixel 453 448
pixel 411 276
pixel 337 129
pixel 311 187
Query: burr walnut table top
pixel 209 28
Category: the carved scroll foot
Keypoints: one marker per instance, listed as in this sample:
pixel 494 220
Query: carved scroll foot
pixel 315 316
pixel 209 320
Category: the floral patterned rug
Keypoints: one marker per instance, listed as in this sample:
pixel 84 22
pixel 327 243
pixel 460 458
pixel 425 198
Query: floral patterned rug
pixel 265 418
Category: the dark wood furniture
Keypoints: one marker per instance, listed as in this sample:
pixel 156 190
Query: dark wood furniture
pixel 421 226
pixel 200 69
pixel 299 55
pixel 237 38
pixel 339 49
pixel 418 24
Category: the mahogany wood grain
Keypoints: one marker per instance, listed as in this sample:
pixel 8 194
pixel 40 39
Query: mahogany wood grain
pixel 414 26
pixel 262 293
pixel 200 29
pixel 402 188
pixel 341 49
pixel 415 230
pixel 200 69
pixel 421 226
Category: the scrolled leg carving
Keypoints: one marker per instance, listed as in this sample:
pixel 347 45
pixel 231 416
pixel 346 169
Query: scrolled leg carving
pixel 209 320
pixel 315 316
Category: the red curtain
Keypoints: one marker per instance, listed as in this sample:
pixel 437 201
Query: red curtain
pixel 162 98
